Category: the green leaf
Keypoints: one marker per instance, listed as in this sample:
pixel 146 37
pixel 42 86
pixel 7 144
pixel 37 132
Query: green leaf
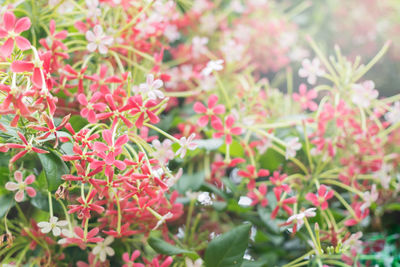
pixel 166 248
pixel 7 201
pixel 189 182
pixel 77 122
pixel 228 249
pixel 236 149
pixel 54 167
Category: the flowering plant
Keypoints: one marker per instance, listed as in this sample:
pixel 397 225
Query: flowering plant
pixel 168 133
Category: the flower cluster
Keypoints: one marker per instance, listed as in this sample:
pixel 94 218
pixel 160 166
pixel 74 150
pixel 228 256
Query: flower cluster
pixel 140 133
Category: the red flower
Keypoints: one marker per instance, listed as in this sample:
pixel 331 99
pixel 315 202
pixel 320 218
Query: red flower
pixel 114 149
pixel 259 195
pixel 277 180
pixel 130 261
pixel 11 31
pixel 282 203
pixel 77 75
pixel 51 128
pixel 305 98
pixel 142 109
pixel 210 111
pixel 117 113
pixel 89 107
pixel 252 174
pixel 81 239
pixel 360 214
pixel 26 146
pixel 228 130
pixel 14 96
pixel 85 207
pixel 322 198
pixel 38 66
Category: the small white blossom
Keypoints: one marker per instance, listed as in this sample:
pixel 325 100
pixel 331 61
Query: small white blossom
pixel 199 46
pixel 393 116
pixel 291 147
pixel 102 248
pixel 98 40
pixel 163 151
pixel 53 225
pixel 363 93
pixel 369 197
pixel 205 199
pixel 311 70
pixel 233 51
pixel 174 179
pixel 384 175
pixel 213 65
pixel 196 263
pixel 186 143
pixel 172 33
pixel 299 218
pixel 244 201
pixel 92 8
pixel 354 242
pixel 152 87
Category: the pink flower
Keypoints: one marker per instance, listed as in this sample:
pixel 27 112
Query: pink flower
pixel 226 130
pixel 305 98
pixel 210 111
pixel 130 261
pixel 98 40
pixel 21 186
pixel 322 198
pixel 91 106
pixel 11 31
pixel 259 195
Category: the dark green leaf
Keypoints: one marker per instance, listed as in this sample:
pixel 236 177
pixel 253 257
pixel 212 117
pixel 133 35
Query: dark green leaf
pixel 7 201
pixel 165 248
pixel 54 167
pixel 189 182
pixel 228 249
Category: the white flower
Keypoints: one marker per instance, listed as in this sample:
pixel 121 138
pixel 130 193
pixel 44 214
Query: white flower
pixel 354 242
pixel 92 8
pixel 199 46
pixel 213 65
pixel 393 116
pixel 299 218
pixel 53 225
pixel 200 5
pixel 369 197
pixel 163 219
pixel 64 7
pixel 186 143
pixel 384 175
pixel 102 249
pixel 207 83
pixel 208 23
pixel 244 201
pixel 310 70
pixel 233 51
pixel 172 33
pixel 98 40
pixel 152 87
pixel 238 7
pixel 291 147
pixel 163 151
pixel 205 199
pixel 196 263
pixel 363 93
